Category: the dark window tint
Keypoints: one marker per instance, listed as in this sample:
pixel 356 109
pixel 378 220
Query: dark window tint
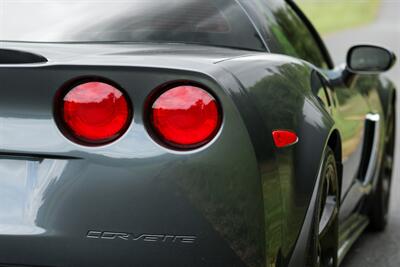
pixel 284 31
pixel 212 22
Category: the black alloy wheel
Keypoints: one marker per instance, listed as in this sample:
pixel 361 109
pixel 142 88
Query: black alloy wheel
pixel 327 228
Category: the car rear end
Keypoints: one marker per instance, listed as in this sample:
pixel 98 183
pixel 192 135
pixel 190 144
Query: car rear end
pixel 119 142
pixel 136 198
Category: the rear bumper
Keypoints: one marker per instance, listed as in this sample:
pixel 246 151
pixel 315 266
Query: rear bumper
pixel 59 212
pixel 161 209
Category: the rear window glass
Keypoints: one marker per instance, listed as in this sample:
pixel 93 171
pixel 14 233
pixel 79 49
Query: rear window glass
pixel 212 22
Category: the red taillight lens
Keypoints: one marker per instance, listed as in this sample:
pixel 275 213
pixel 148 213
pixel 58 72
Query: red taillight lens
pixel 95 113
pixel 186 116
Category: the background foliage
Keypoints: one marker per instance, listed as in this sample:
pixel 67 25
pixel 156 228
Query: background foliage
pixel 335 15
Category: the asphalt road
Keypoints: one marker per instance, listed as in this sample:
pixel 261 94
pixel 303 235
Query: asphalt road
pixel 377 249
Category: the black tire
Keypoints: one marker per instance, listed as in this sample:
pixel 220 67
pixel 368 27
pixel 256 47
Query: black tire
pixel 327 215
pixel 380 199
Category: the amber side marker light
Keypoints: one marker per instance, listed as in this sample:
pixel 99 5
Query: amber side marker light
pixel 185 117
pixel 284 138
pixel 94 113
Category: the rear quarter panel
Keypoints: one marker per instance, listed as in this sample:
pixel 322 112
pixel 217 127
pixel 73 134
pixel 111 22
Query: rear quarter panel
pixel 277 93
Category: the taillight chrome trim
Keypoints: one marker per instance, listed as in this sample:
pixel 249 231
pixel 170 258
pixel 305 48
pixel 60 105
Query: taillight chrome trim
pixel 58 112
pixel 159 91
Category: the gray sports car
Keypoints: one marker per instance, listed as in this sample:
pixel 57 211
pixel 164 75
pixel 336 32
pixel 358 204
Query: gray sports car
pixel 186 133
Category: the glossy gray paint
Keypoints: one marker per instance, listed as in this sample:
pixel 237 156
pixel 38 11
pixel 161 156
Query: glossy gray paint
pixel 276 79
pixel 137 187
pixel 245 204
pixel 63 190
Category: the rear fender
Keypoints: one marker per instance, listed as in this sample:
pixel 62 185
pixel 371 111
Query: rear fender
pixel 280 91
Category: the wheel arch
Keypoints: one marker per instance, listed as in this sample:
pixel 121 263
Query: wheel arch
pixel 335 143
pixel 305 240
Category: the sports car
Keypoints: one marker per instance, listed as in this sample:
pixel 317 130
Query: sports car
pixel 186 133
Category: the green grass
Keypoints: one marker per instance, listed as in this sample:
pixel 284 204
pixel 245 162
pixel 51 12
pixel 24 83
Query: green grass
pixel 334 15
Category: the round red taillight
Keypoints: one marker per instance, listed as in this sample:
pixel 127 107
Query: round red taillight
pixel 185 117
pixel 95 113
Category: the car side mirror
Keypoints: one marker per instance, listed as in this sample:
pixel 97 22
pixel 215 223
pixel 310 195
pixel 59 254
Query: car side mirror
pixel 369 59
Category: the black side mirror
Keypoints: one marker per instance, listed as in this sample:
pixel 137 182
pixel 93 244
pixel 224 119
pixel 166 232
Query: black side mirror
pixel 369 59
